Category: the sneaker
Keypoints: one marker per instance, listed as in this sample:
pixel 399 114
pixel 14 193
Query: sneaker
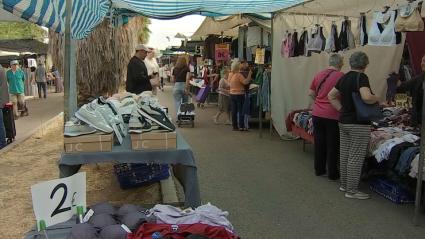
pixel 342 189
pixel 93 118
pixel 156 115
pixel 358 195
pixel 75 128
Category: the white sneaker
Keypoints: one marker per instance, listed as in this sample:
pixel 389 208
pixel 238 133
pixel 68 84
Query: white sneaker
pixel 74 128
pixel 342 189
pixel 358 195
pixel 93 118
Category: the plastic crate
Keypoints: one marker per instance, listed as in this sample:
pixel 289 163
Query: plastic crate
pixel 131 175
pixel 391 191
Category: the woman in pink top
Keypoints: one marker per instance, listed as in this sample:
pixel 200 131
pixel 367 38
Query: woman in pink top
pixel 325 119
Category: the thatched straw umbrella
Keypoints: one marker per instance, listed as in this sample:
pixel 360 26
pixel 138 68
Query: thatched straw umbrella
pixel 99 71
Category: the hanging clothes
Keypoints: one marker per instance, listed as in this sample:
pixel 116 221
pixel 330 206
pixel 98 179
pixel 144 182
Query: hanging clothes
pixel 346 36
pixel 302 44
pixel 351 40
pixel 209 47
pixel 254 37
pixel 241 42
pixel 265 91
pixel 294 46
pixel 286 45
pixel 331 42
pixel 363 31
pixel 317 42
pixel 385 36
pixel 410 18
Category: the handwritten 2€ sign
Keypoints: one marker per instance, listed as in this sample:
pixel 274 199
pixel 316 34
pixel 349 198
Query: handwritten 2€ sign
pixel 56 201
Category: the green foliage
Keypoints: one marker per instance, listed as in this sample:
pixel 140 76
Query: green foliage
pixel 144 32
pixel 21 30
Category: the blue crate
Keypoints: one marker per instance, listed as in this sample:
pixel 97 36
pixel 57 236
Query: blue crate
pixel 391 191
pixel 131 175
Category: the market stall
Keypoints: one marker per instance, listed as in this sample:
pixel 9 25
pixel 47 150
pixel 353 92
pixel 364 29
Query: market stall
pixel 303 38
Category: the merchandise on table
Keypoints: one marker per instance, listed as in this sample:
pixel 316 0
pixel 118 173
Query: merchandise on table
pixel 162 221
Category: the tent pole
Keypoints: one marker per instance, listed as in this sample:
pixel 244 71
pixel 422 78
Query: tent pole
pixel 418 199
pixel 70 86
pixel 271 49
pixel 260 112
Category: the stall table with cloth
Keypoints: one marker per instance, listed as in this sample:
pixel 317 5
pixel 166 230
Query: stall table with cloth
pixel 181 159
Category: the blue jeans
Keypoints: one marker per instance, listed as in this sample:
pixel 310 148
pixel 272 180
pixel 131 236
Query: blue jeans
pixel 237 111
pixel 2 131
pixel 178 94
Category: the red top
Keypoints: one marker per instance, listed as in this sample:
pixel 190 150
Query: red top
pixel 322 107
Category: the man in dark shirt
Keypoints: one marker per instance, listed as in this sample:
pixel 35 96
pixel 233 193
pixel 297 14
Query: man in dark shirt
pixel 415 88
pixel 138 79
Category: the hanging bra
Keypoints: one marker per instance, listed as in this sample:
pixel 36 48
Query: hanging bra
pixel 409 19
pixel 286 45
pixel 387 37
pixel 317 41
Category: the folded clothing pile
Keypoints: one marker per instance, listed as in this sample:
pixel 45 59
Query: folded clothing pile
pixel 160 222
pixel 304 120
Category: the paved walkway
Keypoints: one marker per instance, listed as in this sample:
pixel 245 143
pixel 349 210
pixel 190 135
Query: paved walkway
pixel 40 111
pixel 269 188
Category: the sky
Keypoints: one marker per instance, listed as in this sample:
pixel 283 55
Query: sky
pixel 162 28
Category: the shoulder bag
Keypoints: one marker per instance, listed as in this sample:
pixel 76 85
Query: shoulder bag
pixel 365 112
pixel 323 81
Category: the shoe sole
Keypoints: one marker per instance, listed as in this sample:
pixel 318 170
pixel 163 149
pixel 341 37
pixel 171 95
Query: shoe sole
pixel 91 124
pixel 153 119
pixel 78 134
pixel 354 197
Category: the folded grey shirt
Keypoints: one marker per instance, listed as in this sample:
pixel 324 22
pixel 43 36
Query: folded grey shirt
pixel 103 207
pixel 102 220
pixel 134 220
pixel 113 232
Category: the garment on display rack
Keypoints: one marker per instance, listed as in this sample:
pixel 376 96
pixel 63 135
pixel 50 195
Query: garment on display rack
pixel 209 47
pixel 249 54
pixel 317 41
pixel 235 48
pixel 409 18
pixel 286 45
pixel 265 91
pixel 253 37
pixel 386 36
pixel 385 148
pixel 294 46
pixel 304 120
pixel 415 41
pixel 346 36
pixel 363 31
pixel 302 43
pixel 242 42
pixel 332 41
pixel 392 87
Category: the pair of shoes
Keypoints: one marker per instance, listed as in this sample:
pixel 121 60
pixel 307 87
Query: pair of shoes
pixel 93 117
pixel 215 120
pixel 150 109
pixel 75 127
pixel 357 195
pixel 138 124
pixel 342 189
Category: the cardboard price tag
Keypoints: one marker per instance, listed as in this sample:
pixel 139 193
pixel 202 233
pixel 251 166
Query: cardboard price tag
pixel 260 54
pixel 56 201
pixel 222 52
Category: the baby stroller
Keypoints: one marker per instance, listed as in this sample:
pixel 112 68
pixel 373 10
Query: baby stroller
pixel 186 113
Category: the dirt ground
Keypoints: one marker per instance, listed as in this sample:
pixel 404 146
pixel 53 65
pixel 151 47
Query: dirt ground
pixel 35 160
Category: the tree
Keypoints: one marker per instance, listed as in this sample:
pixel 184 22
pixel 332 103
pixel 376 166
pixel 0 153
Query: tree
pixel 21 30
pixel 102 57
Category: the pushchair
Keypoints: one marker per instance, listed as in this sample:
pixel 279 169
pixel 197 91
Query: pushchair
pixel 186 113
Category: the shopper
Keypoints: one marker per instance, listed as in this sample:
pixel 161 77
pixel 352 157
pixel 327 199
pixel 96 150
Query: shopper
pixel 181 77
pixel 41 79
pixel 237 83
pixel 58 80
pixel 325 119
pixel 354 134
pixel 223 97
pixel 414 87
pixel 16 79
pixel 153 69
pixel 162 76
pixel 4 98
pixel 138 79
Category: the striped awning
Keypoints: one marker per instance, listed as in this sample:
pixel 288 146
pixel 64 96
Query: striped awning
pixel 86 14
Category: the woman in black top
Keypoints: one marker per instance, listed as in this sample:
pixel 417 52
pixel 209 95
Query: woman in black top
pixel 181 77
pixel 354 134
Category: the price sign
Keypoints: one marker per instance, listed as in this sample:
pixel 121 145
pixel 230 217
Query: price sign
pixel 403 101
pixel 56 201
pixel 259 56
pixel 222 52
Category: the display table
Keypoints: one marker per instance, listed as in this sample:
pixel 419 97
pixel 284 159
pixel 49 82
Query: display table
pixel 300 132
pixel 181 159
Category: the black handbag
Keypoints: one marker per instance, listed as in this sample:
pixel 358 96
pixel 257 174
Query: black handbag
pixel 365 112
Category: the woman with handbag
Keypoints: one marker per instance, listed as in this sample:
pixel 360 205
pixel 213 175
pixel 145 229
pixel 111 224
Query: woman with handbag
pixel 325 119
pixel 354 124
pixel 181 78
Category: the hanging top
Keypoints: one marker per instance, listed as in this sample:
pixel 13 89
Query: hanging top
pixel 387 37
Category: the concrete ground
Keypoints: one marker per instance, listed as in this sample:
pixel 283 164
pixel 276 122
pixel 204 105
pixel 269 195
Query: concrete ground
pixel 269 188
pixel 40 111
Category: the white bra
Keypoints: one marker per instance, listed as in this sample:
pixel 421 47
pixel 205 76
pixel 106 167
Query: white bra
pixel 387 37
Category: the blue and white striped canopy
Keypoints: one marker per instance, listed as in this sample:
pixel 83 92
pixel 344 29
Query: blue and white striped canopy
pixel 86 14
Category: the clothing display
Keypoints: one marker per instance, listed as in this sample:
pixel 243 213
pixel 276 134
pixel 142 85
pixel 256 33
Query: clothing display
pixel 387 36
pixel 242 42
pixel 416 49
pixel 265 92
pixel 302 44
pixel 294 45
pixel 409 18
pixel 209 47
pixel 317 41
pixel 332 43
pixel 286 46
pixel 346 36
pixel 363 30
pixel 304 120
pixel 414 88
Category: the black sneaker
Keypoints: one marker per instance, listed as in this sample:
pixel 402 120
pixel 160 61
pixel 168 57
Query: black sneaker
pixel 156 115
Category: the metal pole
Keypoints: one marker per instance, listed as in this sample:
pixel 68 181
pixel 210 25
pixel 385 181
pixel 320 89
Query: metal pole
pixel 70 87
pixel 418 199
pixel 260 110
pixel 271 49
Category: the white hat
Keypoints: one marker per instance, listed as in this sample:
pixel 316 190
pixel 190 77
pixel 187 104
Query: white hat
pixel 142 47
pixel 14 62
